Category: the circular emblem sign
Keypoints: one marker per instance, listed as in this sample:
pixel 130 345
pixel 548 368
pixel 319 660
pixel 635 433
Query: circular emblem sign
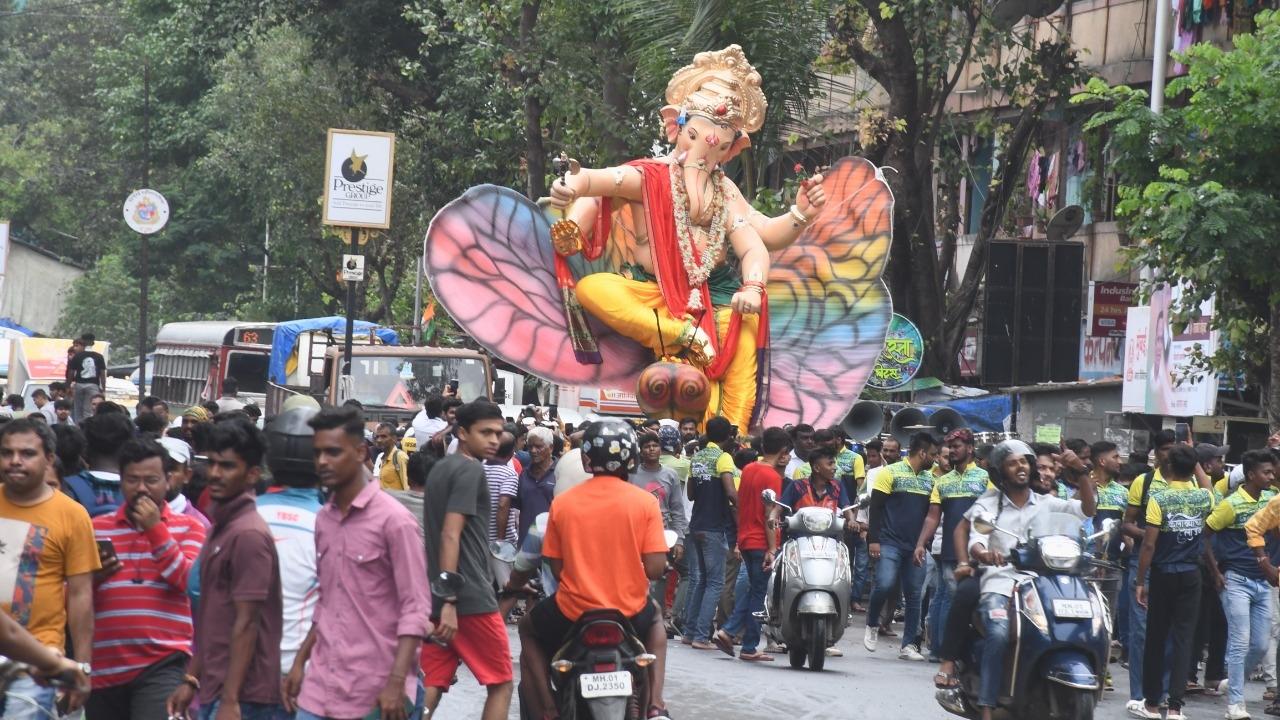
pixel 146 211
pixel 900 360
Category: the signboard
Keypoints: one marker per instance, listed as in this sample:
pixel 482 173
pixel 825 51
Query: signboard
pixel 1160 383
pixel 359 166
pixel 1109 304
pixel 1101 357
pixel 353 268
pixel 146 211
pixel 901 357
pixel 1133 390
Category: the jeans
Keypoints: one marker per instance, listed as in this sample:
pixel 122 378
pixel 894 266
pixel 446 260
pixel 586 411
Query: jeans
pixel 248 711
pixel 25 696
pixel 995 616
pixel 706 551
pixel 743 618
pixel 1137 634
pixel 944 587
pixel 861 568
pixel 1247 604
pixel 1120 612
pixel 896 568
pixel 1173 607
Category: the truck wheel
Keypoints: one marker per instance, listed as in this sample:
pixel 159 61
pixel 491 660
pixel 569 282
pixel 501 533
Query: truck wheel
pixel 817 643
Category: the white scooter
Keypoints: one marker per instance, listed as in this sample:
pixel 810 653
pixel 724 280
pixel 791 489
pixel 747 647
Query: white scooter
pixel 807 598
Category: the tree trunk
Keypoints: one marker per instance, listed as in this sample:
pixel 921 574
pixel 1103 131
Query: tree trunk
pixel 1273 384
pixel 535 151
pixel 615 92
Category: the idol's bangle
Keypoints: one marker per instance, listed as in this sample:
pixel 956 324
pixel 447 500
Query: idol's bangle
pixel 798 216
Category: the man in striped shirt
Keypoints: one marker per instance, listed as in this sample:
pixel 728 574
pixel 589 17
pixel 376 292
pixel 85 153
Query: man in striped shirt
pixel 142 625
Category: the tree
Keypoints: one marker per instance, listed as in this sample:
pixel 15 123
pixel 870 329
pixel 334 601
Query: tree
pixel 1201 194
pixel 917 51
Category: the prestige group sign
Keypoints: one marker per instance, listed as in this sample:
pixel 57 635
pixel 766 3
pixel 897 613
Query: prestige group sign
pixel 359 166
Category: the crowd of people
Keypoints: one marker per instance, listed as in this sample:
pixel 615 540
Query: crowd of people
pixel 201 567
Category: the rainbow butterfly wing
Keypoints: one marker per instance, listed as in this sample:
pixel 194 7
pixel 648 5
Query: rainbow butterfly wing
pixel 491 266
pixel 828 308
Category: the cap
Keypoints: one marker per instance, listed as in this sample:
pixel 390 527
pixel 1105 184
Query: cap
pixel 197 413
pixel 964 435
pixel 177 448
pixel 409 444
pixel 1207 451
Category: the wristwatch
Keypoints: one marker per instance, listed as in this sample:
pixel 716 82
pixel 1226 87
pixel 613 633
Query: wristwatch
pixel 86 668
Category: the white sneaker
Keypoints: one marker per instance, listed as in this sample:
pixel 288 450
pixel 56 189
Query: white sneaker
pixel 834 651
pixel 1237 712
pixel 910 653
pixel 870 638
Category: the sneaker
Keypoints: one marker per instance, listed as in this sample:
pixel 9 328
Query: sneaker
pixel 870 638
pixel 1138 709
pixel 1218 688
pixel 910 653
pixel 834 651
pixel 1237 712
pixel 1175 714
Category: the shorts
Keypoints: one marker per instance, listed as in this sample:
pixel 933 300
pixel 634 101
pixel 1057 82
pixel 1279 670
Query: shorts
pixel 481 643
pixel 551 628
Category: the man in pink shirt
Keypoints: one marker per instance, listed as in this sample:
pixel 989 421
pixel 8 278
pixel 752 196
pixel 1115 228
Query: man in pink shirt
pixel 374 598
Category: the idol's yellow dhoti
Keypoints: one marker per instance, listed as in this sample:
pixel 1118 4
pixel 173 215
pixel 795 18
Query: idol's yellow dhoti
pixel 629 306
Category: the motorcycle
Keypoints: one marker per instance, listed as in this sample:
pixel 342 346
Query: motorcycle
pixel 602 670
pixel 808 593
pixel 1060 627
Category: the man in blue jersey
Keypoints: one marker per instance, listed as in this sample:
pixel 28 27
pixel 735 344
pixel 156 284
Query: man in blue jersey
pixel 899 503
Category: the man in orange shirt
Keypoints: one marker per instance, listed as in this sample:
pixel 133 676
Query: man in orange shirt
pixel 604 542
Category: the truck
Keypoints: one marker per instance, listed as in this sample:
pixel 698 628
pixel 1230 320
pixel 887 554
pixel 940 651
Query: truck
pixel 390 381
pixel 36 362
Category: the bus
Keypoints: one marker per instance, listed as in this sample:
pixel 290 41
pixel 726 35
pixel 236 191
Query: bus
pixel 192 360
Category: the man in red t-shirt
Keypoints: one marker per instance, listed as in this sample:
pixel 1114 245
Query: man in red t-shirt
pixel 764 474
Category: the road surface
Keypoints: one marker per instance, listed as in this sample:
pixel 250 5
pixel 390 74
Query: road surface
pixel 708 685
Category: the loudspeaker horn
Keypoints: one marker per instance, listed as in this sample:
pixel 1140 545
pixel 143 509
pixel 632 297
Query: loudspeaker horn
pixel 945 420
pixel 907 422
pixel 864 422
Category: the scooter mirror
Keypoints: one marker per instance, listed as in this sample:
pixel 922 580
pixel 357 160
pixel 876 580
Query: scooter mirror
pixel 769 496
pixel 670 536
pixel 864 500
pixel 504 551
pixel 984 523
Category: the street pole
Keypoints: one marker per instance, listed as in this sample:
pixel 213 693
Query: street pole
pixel 144 268
pixel 1159 60
pixel 417 304
pixel 351 314
pixel 1160 56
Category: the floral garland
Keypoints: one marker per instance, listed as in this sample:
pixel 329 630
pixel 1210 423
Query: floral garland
pixel 698 266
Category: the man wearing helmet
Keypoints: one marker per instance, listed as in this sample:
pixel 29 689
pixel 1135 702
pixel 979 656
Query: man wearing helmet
pixel 604 543
pixel 1015 506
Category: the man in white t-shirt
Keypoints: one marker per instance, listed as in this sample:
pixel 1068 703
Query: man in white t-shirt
pixel 429 420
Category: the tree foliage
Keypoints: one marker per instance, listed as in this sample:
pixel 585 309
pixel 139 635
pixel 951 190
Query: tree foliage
pixel 918 51
pixel 1201 193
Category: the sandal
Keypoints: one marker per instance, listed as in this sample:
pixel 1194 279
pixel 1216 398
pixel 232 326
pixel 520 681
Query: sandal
pixel 756 657
pixel 945 681
pixel 1273 708
pixel 1270 694
pixel 658 713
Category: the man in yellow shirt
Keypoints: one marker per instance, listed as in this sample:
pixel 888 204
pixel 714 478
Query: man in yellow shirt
pixel 392 465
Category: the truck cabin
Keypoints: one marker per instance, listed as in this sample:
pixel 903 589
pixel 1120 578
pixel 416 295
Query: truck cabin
pixel 193 359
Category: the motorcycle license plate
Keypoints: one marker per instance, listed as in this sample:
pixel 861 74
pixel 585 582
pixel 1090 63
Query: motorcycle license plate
pixel 610 684
pixel 1073 609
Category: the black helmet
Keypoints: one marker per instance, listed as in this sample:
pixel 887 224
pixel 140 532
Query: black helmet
pixel 289 444
pixel 609 447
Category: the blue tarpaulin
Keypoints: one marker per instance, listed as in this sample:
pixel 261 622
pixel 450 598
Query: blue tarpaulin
pixel 986 413
pixel 7 323
pixel 285 339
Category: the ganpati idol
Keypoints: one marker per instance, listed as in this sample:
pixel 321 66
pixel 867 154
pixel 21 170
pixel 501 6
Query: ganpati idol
pixel 664 258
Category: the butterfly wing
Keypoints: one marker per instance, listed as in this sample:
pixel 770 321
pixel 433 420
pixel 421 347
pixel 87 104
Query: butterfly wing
pixel 828 308
pixel 491 266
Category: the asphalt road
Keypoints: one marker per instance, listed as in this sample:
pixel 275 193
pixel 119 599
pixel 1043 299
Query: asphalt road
pixel 708 685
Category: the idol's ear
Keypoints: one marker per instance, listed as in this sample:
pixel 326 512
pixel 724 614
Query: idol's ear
pixel 742 143
pixel 670 121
